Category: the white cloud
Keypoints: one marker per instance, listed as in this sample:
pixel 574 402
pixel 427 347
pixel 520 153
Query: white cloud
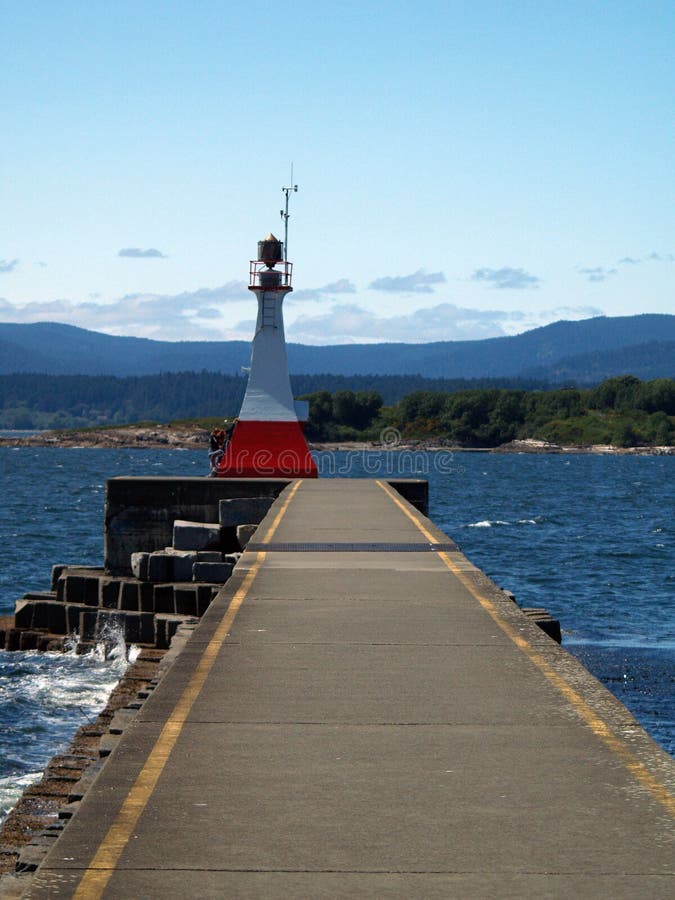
pixel 570 313
pixel 603 273
pixel 342 286
pixel 419 282
pixel 137 253
pixel 191 315
pixel 203 315
pixel 231 291
pixel 8 265
pixel 349 323
pixel 507 278
pixel 598 273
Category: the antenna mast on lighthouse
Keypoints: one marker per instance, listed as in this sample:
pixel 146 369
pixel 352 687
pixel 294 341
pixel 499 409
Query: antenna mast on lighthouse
pixel 285 213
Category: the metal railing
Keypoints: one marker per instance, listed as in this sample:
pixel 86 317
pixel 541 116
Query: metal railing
pixel 260 276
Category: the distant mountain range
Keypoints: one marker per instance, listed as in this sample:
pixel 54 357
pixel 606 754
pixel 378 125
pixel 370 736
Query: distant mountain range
pixel 584 352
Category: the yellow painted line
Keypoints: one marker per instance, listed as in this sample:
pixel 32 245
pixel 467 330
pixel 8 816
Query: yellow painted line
pixel 102 866
pixel 599 727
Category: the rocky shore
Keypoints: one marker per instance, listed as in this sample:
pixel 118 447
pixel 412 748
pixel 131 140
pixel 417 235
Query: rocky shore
pixel 174 438
pixel 125 437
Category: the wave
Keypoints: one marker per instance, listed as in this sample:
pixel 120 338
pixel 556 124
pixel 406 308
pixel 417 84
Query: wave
pixel 501 523
pixel 487 523
pixel 45 698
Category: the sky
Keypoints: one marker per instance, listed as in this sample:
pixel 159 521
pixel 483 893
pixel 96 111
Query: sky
pixel 464 169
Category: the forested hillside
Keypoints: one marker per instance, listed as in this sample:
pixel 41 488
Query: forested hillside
pixel 477 393
pixel 655 359
pixel 623 411
pixel 585 352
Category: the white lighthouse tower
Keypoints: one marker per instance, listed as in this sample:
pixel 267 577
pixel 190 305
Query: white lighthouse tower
pixel 267 441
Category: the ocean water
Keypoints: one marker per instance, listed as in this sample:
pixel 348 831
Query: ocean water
pixel 591 538
pixel 51 510
pixel 44 698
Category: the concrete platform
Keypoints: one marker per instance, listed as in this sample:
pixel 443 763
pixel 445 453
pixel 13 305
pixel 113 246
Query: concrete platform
pixel 379 723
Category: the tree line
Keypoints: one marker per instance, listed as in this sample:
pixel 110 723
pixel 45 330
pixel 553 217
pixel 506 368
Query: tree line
pixel 77 401
pixel 622 411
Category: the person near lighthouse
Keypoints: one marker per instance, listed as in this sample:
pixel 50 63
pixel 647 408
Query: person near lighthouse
pixel 216 441
pixel 229 431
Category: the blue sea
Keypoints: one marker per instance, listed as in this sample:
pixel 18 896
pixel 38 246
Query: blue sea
pixel 591 538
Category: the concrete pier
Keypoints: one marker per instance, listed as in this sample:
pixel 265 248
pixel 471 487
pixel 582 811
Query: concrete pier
pixel 362 713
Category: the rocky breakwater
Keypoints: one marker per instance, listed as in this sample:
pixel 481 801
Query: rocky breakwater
pixel 165 589
pixel 46 806
pixel 155 608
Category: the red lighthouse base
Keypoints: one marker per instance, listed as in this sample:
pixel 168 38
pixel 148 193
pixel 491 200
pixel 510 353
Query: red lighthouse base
pixel 267 450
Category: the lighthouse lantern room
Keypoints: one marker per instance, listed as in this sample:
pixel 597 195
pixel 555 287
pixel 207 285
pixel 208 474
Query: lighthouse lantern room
pixel 268 441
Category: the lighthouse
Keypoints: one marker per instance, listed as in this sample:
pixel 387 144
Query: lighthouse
pixel 268 441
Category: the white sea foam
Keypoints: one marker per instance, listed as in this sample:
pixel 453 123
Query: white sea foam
pixel 500 523
pixel 486 523
pixel 11 787
pixel 44 698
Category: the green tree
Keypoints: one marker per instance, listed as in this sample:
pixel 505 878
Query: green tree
pixel 659 396
pixel 356 410
pixel 660 430
pixel 625 435
pixel 422 405
pixel 620 393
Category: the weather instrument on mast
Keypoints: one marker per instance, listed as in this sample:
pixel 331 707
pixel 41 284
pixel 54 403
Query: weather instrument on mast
pixel 285 213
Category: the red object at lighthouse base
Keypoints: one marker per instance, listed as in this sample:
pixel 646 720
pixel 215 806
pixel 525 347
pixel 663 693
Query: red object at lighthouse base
pixel 268 441
pixel 267 450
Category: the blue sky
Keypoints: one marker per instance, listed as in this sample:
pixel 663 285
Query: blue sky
pixel 465 169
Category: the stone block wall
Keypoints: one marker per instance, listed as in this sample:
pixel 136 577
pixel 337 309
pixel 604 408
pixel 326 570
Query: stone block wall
pixel 170 543
pixel 140 512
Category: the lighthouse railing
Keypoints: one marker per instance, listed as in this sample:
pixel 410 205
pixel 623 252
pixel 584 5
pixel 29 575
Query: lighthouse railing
pixel 258 268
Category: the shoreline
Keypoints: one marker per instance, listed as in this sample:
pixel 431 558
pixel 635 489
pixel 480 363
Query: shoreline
pixel 165 437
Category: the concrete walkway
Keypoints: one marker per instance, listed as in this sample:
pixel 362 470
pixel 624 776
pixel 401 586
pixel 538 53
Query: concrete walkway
pixel 370 723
